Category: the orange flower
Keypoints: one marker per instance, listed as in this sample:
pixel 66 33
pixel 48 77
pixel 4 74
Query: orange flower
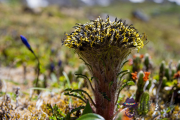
pixel 145 78
pixel 134 75
pixel 134 56
pixel 177 75
pixel 137 55
pixel 141 56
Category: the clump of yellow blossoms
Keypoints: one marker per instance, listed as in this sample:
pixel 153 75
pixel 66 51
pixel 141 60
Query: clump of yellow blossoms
pixel 100 33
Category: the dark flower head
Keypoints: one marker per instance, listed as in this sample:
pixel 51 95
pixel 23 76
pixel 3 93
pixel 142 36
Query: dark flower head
pixel 104 43
pixel 52 67
pixel 99 34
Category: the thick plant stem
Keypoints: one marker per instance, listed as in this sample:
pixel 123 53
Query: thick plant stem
pixel 105 94
pixel 104 67
pixel 107 112
pixel 105 107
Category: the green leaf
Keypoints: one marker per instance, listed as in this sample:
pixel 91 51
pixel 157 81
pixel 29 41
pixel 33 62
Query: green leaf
pixel 130 83
pixel 73 95
pixel 124 63
pixel 122 72
pixel 73 110
pixel 67 89
pixel 82 76
pixel 87 109
pixel 95 79
pixel 126 84
pixel 86 64
pixel 91 116
pixel 80 91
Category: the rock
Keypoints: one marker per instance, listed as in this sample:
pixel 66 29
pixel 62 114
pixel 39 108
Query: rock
pixel 63 3
pixel 158 1
pixel 31 10
pixel 97 2
pixel 140 15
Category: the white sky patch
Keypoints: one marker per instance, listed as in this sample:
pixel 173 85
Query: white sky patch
pixel 37 3
pixel 137 1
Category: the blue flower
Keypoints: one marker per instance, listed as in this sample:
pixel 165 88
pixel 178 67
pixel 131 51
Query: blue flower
pixel 24 40
pixel 52 67
pixel 59 63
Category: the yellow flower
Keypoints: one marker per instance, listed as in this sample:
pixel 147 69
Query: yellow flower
pixel 100 33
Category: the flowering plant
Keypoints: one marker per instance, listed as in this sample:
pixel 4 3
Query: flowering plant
pixel 104 46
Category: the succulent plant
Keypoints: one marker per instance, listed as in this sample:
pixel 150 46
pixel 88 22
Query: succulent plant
pixel 162 69
pixel 144 105
pixel 136 63
pixel 167 73
pixel 149 85
pixel 147 62
pixel 103 46
pixel 142 78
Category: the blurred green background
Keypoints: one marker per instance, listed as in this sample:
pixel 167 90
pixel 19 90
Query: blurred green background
pixel 44 27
